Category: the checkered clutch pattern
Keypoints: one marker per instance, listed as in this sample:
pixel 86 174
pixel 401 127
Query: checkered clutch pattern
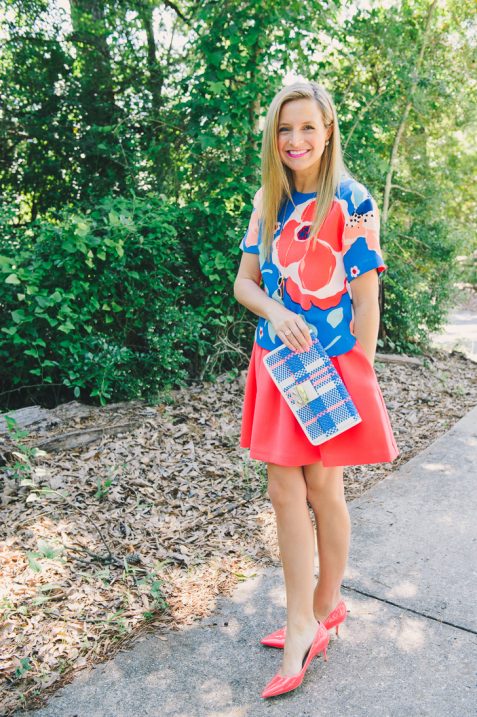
pixel 314 391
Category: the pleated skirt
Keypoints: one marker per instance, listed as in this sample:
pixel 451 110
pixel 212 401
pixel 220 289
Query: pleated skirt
pixel 273 435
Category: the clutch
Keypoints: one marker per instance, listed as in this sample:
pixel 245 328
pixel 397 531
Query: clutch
pixel 314 390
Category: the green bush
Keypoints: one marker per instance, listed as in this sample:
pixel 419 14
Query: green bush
pixel 418 287
pixel 136 296
pixel 99 302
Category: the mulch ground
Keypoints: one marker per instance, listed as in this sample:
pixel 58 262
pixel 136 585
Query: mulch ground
pixel 142 531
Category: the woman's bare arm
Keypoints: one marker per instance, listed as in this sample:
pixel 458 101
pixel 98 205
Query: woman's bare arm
pixel 365 293
pixel 247 291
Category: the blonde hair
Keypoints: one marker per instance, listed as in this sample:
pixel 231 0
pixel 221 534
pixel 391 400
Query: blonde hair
pixel 277 178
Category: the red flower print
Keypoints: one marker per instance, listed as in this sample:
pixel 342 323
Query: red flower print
pixel 315 270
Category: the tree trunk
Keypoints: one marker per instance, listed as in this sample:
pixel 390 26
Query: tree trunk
pixel 103 167
pixel 396 144
pixel 156 131
pixel 405 114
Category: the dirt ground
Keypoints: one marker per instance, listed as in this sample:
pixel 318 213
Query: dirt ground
pixel 142 530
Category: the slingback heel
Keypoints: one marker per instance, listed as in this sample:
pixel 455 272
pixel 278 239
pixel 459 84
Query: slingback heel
pixel 334 619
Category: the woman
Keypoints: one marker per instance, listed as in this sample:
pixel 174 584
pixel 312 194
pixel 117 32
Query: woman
pixel 313 240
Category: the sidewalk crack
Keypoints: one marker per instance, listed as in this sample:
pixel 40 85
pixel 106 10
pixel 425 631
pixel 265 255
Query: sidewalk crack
pixel 410 609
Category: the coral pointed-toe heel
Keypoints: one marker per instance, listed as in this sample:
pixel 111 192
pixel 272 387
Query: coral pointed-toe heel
pixel 336 616
pixel 279 684
pixel 275 639
pixel 334 619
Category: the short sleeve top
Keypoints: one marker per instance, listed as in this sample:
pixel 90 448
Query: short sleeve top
pixel 317 279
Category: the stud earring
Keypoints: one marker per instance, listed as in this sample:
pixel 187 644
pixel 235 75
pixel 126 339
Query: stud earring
pixel 327 141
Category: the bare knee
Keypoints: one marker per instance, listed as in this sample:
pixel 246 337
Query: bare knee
pixel 323 484
pixel 286 485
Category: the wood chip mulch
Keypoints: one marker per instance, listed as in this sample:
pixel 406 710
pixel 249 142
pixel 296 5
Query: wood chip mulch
pixel 141 530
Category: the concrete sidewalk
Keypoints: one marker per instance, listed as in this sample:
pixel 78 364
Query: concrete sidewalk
pixel 408 646
pixel 459 333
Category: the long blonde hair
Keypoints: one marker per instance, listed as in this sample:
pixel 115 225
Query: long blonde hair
pixel 277 178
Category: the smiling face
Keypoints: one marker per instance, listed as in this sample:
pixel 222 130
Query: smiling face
pixel 301 138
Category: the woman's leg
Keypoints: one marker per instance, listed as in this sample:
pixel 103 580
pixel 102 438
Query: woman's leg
pixel 296 540
pixel 325 493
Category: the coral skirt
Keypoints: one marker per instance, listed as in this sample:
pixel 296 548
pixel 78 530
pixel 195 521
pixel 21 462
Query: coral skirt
pixel 273 434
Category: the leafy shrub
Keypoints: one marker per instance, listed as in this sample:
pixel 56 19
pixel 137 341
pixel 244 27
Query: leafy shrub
pixel 418 286
pixel 135 295
pixel 98 302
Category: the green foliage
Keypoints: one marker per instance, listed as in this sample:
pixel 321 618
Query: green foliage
pixel 25 666
pixel 418 288
pixel 103 487
pixel 403 99
pixel 131 152
pixel 154 586
pixel 75 309
pixel 21 468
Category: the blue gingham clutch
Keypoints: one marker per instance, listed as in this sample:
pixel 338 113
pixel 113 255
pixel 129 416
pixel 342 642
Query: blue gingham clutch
pixel 314 390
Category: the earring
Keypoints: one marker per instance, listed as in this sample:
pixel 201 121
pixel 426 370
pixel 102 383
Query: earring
pixel 327 141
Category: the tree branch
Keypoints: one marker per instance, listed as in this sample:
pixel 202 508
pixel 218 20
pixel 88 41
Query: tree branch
pixel 174 7
pixel 405 114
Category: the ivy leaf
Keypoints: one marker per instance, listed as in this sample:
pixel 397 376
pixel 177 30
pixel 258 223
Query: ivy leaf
pixel 18 315
pixel 5 261
pixel 12 279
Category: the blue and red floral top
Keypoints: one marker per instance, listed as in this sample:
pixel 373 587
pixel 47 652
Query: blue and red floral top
pixel 317 278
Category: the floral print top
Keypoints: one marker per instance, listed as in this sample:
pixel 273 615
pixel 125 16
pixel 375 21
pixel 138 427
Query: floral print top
pixel 318 278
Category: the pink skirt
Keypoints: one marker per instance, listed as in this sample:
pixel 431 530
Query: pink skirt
pixel 273 434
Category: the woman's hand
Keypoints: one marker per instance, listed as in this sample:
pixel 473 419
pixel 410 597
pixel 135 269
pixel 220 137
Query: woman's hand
pixel 291 328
